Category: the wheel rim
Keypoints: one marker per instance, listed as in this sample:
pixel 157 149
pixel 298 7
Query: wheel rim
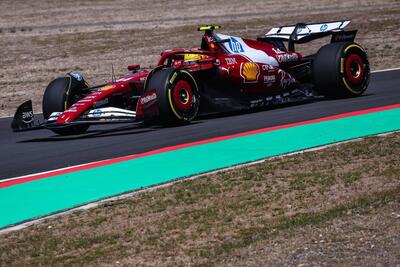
pixel 183 95
pixel 355 69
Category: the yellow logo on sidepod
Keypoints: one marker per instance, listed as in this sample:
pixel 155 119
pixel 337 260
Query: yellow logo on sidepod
pixel 249 71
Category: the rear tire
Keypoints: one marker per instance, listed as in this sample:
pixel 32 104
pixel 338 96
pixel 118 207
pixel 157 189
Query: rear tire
pixel 60 94
pixel 341 70
pixel 178 97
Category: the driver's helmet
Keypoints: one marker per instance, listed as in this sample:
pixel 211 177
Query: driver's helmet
pixel 193 57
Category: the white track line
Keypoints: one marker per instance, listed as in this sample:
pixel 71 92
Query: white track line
pixel 374 71
pixel 166 184
pixel 384 70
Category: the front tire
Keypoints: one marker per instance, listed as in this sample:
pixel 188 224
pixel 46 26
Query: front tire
pixel 341 70
pixel 178 96
pixel 59 95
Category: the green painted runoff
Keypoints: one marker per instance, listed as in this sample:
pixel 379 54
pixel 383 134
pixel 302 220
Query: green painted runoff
pixel 45 196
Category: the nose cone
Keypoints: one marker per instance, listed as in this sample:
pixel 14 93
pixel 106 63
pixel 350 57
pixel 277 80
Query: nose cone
pixel 66 117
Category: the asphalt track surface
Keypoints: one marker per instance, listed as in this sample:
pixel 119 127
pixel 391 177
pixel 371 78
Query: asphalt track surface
pixel 38 151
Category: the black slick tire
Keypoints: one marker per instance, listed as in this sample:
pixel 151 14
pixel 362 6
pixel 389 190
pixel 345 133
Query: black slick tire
pixel 341 70
pixel 178 97
pixel 57 97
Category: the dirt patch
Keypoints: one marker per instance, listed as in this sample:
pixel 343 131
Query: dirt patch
pixel 362 237
pixel 336 206
pixel 39 44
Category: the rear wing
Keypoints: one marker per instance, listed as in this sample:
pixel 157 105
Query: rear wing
pixel 302 33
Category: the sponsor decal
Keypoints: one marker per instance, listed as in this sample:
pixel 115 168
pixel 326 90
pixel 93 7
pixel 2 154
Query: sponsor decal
pixel 225 69
pixel 267 67
pixel 287 57
pixel 96 112
pixel 171 81
pixel 76 75
pixel 94 94
pixel 250 72
pixel 323 28
pixel 343 36
pixel 107 87
pixel 71 110
pixel 271 100
pixel 286 79
pixel 285 82
pixel 235 46
pixel 277 51
pixel 269 79
pixel 27 117
pixel 54 116
pixel 188 63
pixel 146 99
pixel 257 103
pixel 230 60
pixel 299 30
pixel 124 79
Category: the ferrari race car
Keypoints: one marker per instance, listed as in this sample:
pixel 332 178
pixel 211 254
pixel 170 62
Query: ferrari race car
pixel 226 73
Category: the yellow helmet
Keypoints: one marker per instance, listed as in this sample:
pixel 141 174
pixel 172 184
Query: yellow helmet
pixel 193 56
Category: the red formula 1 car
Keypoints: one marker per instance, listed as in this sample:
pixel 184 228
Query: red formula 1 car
pixel 226 73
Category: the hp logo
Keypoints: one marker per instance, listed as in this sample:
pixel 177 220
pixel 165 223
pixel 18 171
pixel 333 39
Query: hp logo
pixel 235 46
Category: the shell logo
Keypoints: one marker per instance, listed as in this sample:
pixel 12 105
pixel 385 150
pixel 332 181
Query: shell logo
pixel 250 72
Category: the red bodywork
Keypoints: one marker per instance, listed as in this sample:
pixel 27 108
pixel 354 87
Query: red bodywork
pixel 237 71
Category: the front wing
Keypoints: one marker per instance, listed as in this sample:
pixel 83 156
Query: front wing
pixel 24 119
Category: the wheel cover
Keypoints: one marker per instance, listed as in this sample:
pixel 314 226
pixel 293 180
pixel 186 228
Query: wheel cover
pixel 182 95
pixel 355 69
